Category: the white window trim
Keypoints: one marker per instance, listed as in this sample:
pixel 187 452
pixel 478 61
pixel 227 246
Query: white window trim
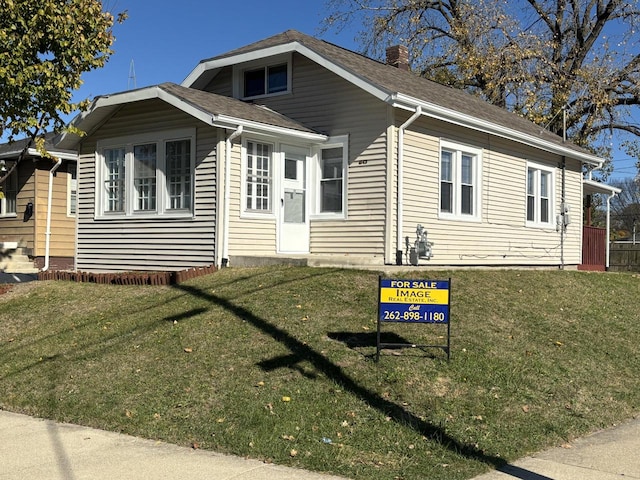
pixel 262 214
pixel 3 200
pixel 239 70
pixel 458 149
pixel 551 224
pixel 71 183
pixel 127 142
pixel 332 142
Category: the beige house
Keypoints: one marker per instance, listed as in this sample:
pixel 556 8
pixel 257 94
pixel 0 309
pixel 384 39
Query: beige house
pixel 37 208
pixel 294 147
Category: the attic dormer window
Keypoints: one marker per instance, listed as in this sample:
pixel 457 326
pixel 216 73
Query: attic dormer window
pixel 262 80
pixel 265 80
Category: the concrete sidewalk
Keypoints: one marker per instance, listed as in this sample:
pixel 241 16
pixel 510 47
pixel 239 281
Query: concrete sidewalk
pixel 38 449
pixel 44 450
pixel 606 455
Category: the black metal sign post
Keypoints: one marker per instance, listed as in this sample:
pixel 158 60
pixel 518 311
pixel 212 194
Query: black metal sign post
pixel 414 301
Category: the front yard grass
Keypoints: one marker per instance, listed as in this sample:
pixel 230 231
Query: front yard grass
pixel 278 364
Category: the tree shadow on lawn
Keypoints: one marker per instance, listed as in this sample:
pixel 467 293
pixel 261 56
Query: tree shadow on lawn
pixel 302 352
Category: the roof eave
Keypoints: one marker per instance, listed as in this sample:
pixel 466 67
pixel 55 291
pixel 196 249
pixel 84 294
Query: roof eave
pixel 193 78
pixel 103 103
pixel 591 186
pixel 399 100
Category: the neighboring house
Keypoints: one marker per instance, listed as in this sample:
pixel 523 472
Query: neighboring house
pixel 294 147
pixel 38 205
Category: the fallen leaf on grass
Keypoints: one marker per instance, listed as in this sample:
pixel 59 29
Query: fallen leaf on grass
pixel 293 453
pixel 286 399
pixel 188 349
pixel 525 408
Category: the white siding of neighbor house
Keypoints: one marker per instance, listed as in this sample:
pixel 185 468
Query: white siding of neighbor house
pixel 501 237
pixel 330 105
pixel 148 244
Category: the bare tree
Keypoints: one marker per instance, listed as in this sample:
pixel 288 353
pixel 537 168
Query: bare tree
pixel 625 207
pixel 569 65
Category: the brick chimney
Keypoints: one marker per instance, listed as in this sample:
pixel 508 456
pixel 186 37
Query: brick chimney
pixel 398 56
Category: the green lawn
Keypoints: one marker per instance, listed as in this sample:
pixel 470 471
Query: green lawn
pixel 278 364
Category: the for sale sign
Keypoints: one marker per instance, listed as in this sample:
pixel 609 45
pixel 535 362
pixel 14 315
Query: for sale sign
pixel 415 301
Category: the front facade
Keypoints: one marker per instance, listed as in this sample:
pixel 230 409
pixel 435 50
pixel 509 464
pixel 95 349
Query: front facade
pixel 38 205
pixel 293 147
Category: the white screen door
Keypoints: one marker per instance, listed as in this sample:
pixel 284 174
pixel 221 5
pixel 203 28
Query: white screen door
pixel 294 218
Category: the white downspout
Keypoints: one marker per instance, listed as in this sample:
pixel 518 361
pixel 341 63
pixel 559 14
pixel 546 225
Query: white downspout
pixel 400 211
pixel 227 195
pixel 47 233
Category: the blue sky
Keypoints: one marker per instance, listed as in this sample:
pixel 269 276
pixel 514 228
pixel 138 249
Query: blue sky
pixel 163 40
pixel 166 39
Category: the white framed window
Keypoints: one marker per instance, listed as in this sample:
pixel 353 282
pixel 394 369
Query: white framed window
pixel 331 178
pixel 460 181
pixel 258 176
pixel 540 196
pixel 8 194
pixel 259 79
pixel 146 175
pixel 72 189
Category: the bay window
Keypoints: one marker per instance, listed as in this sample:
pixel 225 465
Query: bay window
pixel 146 175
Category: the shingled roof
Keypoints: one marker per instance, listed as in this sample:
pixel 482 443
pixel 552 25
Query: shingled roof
pixel 225 112
pixel 403 89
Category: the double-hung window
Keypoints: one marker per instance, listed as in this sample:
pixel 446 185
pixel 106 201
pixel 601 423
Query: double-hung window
pixel 146 175
pixel 540 196
pixel 72 188
pixel 460 173
pixel 8 194
pixel 258 176
pixel 332 178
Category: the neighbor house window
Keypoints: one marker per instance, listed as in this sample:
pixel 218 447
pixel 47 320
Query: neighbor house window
pixel 8 193
pixel 460 170
pixel 147 175
pixel 331 174
pixel 72 188
pixel 539 195
pixel 258 176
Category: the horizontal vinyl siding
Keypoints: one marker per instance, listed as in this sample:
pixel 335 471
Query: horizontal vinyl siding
pixel 63 234
pixel 248 235
pixel 501 237
pixel 149 244
pixel 15 229
pixel 329 104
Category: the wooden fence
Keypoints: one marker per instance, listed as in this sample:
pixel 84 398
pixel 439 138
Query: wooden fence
pixel 624 257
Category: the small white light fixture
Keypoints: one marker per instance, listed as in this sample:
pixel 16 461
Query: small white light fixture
pixel 3 166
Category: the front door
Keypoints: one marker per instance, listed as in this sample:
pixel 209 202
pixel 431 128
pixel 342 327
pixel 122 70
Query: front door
pixel 294 217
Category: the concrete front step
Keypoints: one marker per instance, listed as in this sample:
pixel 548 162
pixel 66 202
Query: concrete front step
pixel 12 260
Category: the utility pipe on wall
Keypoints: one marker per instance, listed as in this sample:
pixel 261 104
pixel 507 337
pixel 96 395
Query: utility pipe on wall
pixel 400 211
pixel 48 230
pixel 227 195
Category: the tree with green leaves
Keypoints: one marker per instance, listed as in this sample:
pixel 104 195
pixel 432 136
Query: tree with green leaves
pixel 572 66
pixel 45 47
